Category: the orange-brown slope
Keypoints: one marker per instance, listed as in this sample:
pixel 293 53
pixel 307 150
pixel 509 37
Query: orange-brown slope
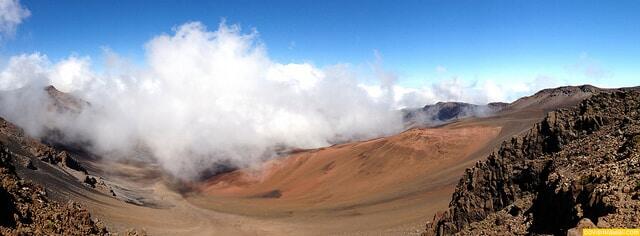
pixel 383 185
pixel 352 172
pixel 374 185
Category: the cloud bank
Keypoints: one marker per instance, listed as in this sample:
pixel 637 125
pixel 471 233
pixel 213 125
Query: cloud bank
pixel 203 97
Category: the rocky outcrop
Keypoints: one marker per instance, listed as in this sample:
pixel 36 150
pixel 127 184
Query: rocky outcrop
pixel 578 163
pixel 26 209
pixel 11 135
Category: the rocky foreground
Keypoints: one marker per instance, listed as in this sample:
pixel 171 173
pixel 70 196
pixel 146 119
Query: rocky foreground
pixel 26 209
pixel 579 167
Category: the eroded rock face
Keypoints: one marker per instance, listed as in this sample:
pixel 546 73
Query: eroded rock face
pixel 577 163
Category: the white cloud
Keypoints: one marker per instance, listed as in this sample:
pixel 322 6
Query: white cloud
pixel 441 69
pixel 303 76
pixel 68 75
pixel 11 15
pixel 23 70
pixel 204 96
pixel 71 74
pixel 453 89
pixel 475 92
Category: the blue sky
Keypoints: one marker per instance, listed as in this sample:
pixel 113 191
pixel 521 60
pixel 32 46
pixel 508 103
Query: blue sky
pixel 470 40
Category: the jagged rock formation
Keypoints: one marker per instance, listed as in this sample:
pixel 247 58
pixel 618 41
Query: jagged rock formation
pixel 26 209
pixel 577 163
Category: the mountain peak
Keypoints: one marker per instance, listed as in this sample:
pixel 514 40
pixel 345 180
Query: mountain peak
pixel 65 102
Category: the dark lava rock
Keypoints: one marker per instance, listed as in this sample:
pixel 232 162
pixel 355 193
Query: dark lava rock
pixel 90 181
pixel 26 210
pixel 577 163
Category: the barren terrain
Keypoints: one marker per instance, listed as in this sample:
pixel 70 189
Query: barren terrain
pixel 389 185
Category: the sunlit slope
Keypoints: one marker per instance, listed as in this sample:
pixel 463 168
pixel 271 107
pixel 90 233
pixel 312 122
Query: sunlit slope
pixel 351 173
